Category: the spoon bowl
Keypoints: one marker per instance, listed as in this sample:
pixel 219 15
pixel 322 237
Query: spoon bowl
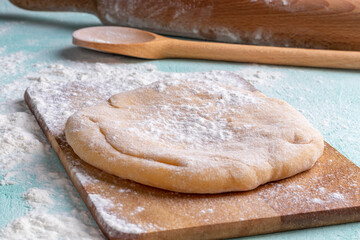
pixel 120 40
pixel 143 44
pixel 113 35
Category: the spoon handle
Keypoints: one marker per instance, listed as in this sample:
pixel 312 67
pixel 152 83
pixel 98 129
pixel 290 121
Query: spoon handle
pixel 264 54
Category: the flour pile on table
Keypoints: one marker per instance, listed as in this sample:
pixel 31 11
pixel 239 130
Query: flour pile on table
pixel 38 224
pixel 24 148
pixel 20 137
pixel 11 63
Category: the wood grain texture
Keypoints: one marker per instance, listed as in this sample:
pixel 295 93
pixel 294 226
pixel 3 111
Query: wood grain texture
pixel 148 45
pixel 331 24
pixel 88 6
pixel 329 193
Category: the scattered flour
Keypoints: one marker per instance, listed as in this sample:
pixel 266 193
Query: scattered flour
pixel 22 136
pixel 207 211
pixel 44 226
pixel 7 179
pixel 127 15
pixel 258 76
pixel 90 78
pixel 112 222
pixel 19 139
pixel 36 196
pixel 22 142
pixel 11 63
pixel 338 196
pixel 197 125
pixel 284 2
pixel 317 200
pixel 38 224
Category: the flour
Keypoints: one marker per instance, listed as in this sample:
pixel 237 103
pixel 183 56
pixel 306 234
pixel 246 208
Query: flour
pixel 189 124
pixel 112 222
pixel 22 142
pixel 23 148
pixel 200 15
pixel 284 2
pixel 94 77
pixel 112 35
pixel 38 224
pixel 11 64
pixel 36 196
pixel 19 138
pixel 7 179
pixel 337 195
pixel 317 200
pixel 260 76
pixel 44 226
pixel 207 211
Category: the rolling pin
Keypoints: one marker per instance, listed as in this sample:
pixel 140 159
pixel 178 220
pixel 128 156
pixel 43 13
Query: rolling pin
pixel 327 24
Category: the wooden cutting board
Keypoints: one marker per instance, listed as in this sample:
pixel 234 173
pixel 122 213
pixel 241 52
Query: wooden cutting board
pixel 327 194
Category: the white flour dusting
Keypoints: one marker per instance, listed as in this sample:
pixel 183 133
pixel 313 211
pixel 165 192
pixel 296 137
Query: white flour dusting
pixel 112 222
pixel 23 136
pixel 193 124
pixel 260 77
pixel 126 14
pixel 11 64
pixel 284 2
pixel 202 24
pixel 21 139
pixel 7 179
pixel 45 226
pixel 26 159
pixel 36 196
pixel 38 224
pixel 96 77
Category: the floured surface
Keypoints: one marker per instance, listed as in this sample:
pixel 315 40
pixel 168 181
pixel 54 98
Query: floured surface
pixel 336 119
pixel 195 136
pixel 327 194
pixel 81 90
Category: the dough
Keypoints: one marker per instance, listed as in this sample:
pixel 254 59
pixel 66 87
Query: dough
pixel 195 137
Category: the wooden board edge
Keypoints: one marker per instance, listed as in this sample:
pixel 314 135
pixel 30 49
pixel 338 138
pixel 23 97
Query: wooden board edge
pixel 55 145
pixel 243 228
pixel 320 218
pixel 231 229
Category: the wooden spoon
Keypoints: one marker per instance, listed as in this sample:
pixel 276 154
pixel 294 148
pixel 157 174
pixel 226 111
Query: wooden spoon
pixel 143 44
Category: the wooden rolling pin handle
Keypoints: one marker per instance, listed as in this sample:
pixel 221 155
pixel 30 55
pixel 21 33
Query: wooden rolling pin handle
pixel 263 55
pixel 89 6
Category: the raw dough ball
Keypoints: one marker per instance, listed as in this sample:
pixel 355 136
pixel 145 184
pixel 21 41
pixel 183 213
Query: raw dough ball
pixel 195 137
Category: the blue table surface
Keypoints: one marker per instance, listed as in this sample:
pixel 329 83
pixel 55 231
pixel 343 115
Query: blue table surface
pixel 330 99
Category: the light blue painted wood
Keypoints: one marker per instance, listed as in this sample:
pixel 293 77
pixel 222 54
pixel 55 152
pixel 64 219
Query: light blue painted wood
pixel 330 99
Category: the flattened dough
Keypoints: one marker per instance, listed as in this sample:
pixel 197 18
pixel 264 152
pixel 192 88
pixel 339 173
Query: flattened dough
pixel 195 137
